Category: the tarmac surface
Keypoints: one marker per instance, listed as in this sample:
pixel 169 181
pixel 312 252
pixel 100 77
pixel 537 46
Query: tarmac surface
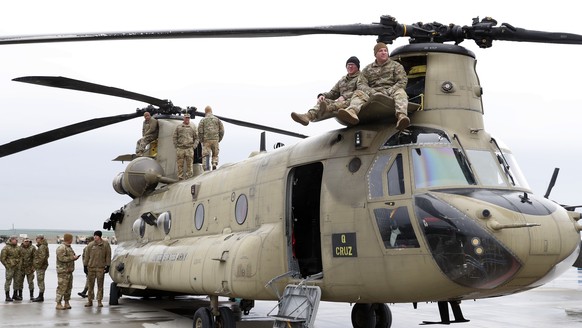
pixel 556 304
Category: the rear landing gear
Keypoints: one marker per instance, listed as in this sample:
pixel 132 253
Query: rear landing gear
pixel 375 315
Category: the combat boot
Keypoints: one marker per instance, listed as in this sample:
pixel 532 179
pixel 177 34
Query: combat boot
pixel 302 119
pixel 59 306
pixel 89 303
pixel 8 298
pixel 99 304
pixel 348 116
pixel 83 294
pixel 403 122
pixel 16 295
pixel 40 297
pixel 67 305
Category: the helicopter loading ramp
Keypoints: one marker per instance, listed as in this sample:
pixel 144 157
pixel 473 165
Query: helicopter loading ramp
pixel 380 108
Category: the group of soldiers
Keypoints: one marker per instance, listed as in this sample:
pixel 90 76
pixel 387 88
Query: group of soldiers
pixel 345 100
pixel 22 261
pixel 186 138
pixel 25 260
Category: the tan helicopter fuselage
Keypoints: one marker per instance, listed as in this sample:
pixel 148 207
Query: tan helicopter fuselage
pixel 385 217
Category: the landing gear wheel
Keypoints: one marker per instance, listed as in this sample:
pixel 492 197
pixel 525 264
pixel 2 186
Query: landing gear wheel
pixel 202 318
pixel 225 319
pixel 375 315
pixel 114 294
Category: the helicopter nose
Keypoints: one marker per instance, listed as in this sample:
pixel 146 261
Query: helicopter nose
pixel 483 239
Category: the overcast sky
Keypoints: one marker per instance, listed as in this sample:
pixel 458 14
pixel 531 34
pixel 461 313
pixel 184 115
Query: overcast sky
pixel 531 91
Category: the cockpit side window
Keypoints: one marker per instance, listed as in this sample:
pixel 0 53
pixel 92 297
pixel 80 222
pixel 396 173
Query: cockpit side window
pixel 395 227
pixel 396 177
pixel 375 180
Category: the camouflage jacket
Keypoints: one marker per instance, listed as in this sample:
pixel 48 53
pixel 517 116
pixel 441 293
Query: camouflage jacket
pixel 27 256
pixel 97 255
pixel 65 259
pixel 377 78
pixel 210 128
pixel 150 129
pixel 10 256
pixel 41 255
pixel 344 87
pixel 185 136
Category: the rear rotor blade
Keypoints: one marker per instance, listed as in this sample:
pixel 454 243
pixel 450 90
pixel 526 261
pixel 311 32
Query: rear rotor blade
pixel 61 133
pixel 68 83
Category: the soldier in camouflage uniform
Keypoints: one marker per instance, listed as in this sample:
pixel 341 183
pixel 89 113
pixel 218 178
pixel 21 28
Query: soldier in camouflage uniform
pixel 83 293
pixel 65 266
pixel 210 131
pixel 10 258
pixel 149 132
pixel 97 261
pixel 27 251
pixel 185 140
pixel 383 76
pixel 40 263
pixel 337 98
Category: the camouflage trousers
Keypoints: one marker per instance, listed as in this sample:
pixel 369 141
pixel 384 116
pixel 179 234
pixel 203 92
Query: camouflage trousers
pixel 142 143
pixel 65 284
pixel 19 280
pixel 40 279
pixel 184 159
pixel 399 95
pixel 10 278
pixel 99 275
pixel 211 146
pixel 331 105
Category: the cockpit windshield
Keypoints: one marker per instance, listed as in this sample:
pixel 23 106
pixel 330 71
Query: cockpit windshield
pixel 438 167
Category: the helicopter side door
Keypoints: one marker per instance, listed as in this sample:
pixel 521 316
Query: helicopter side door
pixel 303 224
pixel 389 196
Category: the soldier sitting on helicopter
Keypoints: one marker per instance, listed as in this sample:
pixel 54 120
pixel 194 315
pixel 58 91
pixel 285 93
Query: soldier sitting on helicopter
pixel 149 133
pixel 383 76
pixel 338 97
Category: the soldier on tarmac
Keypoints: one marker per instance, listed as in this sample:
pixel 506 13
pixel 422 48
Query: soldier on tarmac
pixel 66 258
pixel 27 251
pixel 10 258
pixel 40 263
pixel 97 261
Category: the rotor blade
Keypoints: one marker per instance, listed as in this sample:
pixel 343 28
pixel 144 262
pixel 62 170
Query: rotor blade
pixel 255 126
pixel 68 83
pixel 353 29
pixel 552 182
pixel 61 133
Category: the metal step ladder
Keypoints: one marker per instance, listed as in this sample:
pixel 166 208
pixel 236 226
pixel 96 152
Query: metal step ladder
pixel 297 307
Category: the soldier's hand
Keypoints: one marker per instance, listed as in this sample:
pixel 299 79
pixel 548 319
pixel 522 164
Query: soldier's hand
pixel 85 269
pixel 106 269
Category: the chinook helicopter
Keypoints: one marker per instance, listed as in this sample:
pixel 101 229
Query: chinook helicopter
pixel 365 214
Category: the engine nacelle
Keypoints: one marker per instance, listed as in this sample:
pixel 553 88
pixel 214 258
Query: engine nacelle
pixel 141 176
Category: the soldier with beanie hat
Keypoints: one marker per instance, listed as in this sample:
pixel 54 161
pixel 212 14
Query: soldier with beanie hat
pixel 337 98
pixel 383 76
pixel 96 263
pixel 66 258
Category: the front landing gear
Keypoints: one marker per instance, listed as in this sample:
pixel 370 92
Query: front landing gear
pixel 215 316
pixel 371 315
